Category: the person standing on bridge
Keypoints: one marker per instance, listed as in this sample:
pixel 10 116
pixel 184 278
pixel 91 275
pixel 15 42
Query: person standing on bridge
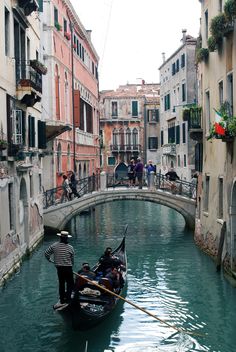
pixel 63 258
pixel 138 169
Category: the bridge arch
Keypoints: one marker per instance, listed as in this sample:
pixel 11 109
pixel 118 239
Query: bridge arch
pixel 57 217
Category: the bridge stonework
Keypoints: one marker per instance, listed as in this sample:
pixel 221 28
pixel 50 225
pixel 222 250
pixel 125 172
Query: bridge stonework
pixel 56 217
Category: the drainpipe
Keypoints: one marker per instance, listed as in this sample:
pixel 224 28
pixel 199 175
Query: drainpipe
pixel 72 91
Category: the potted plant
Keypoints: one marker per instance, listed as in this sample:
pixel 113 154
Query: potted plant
pixel 67 35
pixel 38 66
pixel 58 26
pixel 218 26
pixel 202 54
pixel 186 114
pixel 230 10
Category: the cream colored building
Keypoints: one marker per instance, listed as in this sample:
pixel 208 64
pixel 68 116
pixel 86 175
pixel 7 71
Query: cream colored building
pixel 21 213
pixel 217 83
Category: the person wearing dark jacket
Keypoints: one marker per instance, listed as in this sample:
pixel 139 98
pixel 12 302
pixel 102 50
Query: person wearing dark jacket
pixel 139 172
pixel 172 175
pixel 63 258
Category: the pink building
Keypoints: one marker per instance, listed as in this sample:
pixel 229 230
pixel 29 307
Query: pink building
pixel 70 101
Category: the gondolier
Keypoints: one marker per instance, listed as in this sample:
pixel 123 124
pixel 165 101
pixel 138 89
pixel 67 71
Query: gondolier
pixel 63 258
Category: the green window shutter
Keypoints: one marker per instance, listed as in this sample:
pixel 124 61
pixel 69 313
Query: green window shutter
pixel 42 142
pixel 134 108
pixel 157 115
pixel 40 2
pixel 31 131
pixel 177 135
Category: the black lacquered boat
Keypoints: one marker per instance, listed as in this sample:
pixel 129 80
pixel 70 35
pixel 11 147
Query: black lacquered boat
pixel 94 300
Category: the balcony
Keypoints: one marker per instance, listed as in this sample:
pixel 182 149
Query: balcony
pixel 28 6
pixel 169 149
pixel 125 148
pixel 194 117
pixel 28 82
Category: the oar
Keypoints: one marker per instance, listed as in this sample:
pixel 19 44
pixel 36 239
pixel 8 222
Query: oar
pixel 136 306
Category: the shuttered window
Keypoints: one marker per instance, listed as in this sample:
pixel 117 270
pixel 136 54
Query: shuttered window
pixel 77 111
pixel 177 138
pixel 184 132
pixel 162 138
pixel 42 142
pixel 134 108
pixel 31 131
pixel 152 143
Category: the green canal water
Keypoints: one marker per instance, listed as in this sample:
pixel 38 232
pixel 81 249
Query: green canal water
pixel 167 275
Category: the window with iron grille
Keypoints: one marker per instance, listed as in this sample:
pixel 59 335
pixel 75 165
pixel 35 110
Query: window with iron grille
pixel 152 143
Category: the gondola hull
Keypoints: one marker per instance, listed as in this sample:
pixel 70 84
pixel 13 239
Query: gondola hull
pixel 93 303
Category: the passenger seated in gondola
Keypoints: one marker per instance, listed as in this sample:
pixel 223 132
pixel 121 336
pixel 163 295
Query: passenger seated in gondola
pixel 107 261
pixel 87 272
pixel 114 278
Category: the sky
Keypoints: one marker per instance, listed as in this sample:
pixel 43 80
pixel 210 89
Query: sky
pixel 130 35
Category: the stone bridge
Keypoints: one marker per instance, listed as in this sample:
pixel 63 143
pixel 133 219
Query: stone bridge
pixel 56 217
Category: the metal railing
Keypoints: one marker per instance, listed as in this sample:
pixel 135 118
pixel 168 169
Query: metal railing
pixel 58 195
pixel 125 147
pixel 25 73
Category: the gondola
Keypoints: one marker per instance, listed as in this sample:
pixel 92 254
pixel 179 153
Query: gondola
pixel 92 302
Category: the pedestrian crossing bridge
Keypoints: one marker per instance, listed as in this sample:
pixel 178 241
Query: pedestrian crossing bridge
pixel 100 189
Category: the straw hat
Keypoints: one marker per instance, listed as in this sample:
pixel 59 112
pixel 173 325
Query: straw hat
pixel 64 234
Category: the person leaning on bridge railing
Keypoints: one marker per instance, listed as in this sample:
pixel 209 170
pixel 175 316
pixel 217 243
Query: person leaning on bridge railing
pixel 172 176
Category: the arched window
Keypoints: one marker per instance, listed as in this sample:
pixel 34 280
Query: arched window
pixel 115 138
pixel 67 113
pixel 68 158
pixel 128 137
pixel 122 138
pixel 57 92
pixel 59 169
pixel 135 137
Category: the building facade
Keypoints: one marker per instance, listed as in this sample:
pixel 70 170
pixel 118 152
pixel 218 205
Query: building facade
pixel 129 117
pixel 22 132
pixel 217 64
pixel 178 92
pixel 70 102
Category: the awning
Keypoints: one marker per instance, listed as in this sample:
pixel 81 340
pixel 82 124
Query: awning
pixel 52 131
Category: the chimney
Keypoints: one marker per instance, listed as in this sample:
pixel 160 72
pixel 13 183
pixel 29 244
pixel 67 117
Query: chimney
pixel 184 31
pixel 163 57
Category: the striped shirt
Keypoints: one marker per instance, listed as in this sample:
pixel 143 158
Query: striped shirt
pixel 63 254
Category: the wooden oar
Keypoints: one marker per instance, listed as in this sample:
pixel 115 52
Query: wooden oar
pixel 137 307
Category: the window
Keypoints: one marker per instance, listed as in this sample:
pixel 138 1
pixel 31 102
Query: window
pixel 128 137
pixel 114 109
pixel 221 93
pixel 173 69
pixel 7 32
pixel 42 141
pixel 115 137
pixel 208 115
pixel 230 91
pixel 206 23
pixel 134 108
pixel 59 169
pixel 55 16
pixel 185 160
pixel 177 139
pixel 184 132
pixel 57 91
pixel 17 127
pixel 111 160
pixel 65 25
pixel 182 60
pixel 152 143
pixel 177 65
pixel 178 161
pixel 220 209
pixel 162 138
pixel 167 101
pixel 206 198
pixel 31 131
pixel 220 5
pixel 171 132
pixel 153 115
pixel 135 137
pixel 183 92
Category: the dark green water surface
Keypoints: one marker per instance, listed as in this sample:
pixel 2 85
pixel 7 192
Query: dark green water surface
pixel 167 275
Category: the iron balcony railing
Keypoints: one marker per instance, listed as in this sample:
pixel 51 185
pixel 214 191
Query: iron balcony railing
pixel 57 195
pixel 125 147
pixel 27 76
pixel 195 117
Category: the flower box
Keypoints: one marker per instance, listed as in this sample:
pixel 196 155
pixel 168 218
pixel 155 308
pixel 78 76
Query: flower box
pixel 38 66
pixel 58 26
pixel 67 35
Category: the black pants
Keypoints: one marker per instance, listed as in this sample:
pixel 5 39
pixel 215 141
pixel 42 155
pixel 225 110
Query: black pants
pixel 65 277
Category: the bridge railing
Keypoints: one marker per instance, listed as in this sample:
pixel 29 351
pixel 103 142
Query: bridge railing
pixel 57 195
pixel 181 187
